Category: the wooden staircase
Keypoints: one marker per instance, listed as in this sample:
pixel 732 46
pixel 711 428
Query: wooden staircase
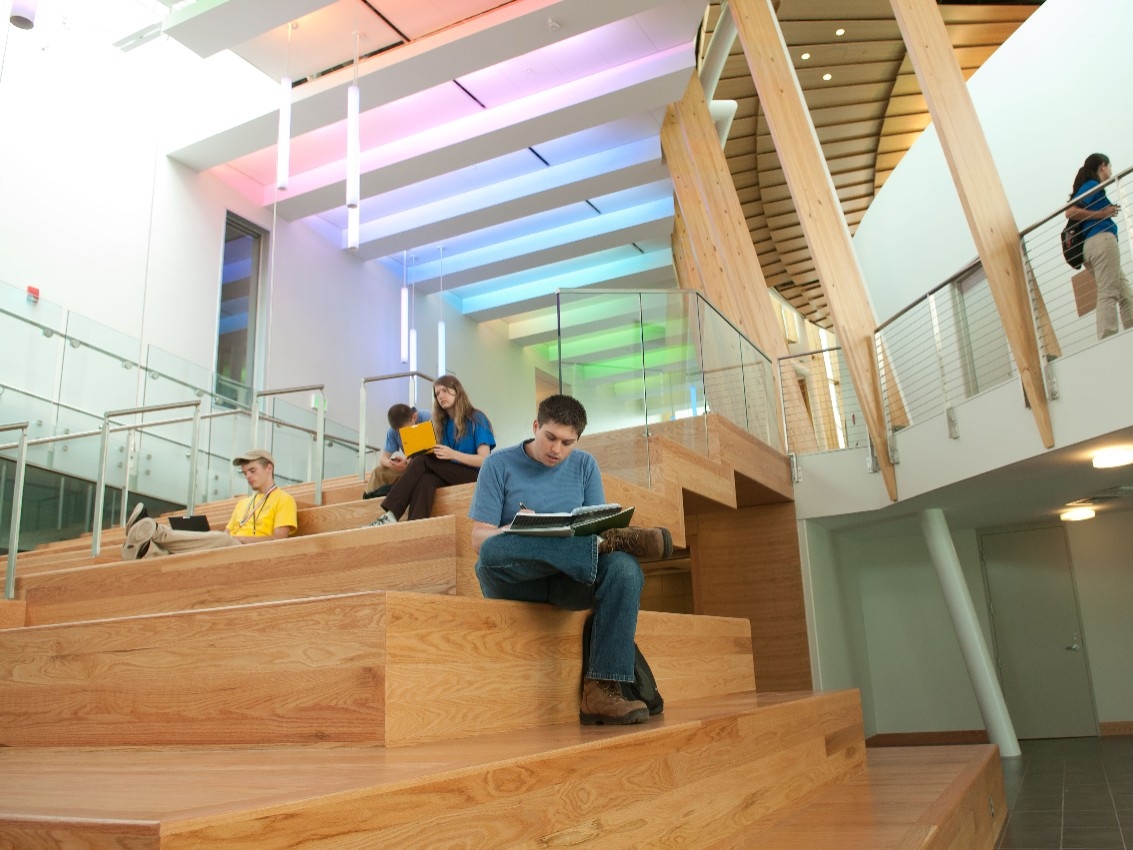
pixel 349 688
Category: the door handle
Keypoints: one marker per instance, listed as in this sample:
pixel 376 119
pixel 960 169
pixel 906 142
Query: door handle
pixel 1073 647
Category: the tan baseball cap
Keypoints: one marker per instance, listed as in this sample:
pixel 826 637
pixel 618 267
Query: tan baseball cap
pixel 253 454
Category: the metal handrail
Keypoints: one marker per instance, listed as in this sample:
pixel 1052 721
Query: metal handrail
pixel 362 444
pixel 17 506
pixel 78 435
pixel 104 447
pixel 320 426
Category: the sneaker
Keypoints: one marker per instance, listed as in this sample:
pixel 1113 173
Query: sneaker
pixel 139 512
pixel 138 538
pixel 651 544
pixel 385 519
pixel 602 703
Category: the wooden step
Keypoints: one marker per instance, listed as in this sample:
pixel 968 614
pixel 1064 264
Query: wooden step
pixel 335 491
pixel 340 516
pixel 908 798
pixel 405 556
pixel 703 772
pixel 381 668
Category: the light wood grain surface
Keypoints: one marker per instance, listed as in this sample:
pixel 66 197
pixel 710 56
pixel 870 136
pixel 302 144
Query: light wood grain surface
pixel 416 555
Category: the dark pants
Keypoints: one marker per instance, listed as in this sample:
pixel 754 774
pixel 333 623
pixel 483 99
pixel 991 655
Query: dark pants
pixel 420 481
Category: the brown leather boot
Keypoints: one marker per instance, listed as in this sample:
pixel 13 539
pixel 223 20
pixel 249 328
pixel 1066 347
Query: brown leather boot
pixel 650 544
pixel 602 702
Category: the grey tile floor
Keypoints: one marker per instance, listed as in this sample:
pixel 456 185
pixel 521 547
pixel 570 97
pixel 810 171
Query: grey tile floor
pixel 1070 793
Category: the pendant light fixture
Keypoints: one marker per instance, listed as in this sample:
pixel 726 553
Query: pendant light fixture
pixel 441 321
pixel 404 307
pixel 353 142
pixel 283 143
pixel 23 14
pixel 352 228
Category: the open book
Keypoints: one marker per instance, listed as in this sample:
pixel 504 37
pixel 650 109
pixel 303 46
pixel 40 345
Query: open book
pixel 590 519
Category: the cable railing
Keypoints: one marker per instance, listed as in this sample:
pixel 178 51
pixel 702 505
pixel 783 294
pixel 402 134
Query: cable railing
pixel 830 406
pixel 947 346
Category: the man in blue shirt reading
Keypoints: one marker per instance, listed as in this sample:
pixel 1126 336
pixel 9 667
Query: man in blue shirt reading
pixel 549 474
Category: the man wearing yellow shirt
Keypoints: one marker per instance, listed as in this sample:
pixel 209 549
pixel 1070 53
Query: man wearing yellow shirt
pixel 267 514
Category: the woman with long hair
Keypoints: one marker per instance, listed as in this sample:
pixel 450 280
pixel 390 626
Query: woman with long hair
pixel 1099 232
pixel 464 439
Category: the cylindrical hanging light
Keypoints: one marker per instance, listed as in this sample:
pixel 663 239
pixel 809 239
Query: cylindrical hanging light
pixel 23 14
pixel 352 229
pixel 441 321
pixel 283 145
pixel 283 142
pixel 353 142
pixel 404 307
pixel 353 177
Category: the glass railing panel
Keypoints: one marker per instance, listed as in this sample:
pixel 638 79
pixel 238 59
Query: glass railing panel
pixel 600 361
pixel 30 354
pixel 290 439
pixel 1063 298
pixel 658 361
pixel 99 367
pixel 759 394
pixel 722 358
pixel 56 505
pixel 223 438
pixel 675 386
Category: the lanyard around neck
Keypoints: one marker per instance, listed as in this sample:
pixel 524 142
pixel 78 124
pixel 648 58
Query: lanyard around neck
pixel 253 508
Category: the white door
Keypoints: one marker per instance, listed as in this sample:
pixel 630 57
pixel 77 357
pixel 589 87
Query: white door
pixel 1038 635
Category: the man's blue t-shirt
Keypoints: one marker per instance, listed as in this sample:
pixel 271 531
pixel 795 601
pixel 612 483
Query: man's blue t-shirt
pixel 509 476
pixel 393 435
pixel 1090 197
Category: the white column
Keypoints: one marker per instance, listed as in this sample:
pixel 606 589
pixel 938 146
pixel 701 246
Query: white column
pixel 989 695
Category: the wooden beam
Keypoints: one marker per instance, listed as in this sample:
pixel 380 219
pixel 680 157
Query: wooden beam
pixel 817 203
pixel 721 242
pixel 981 191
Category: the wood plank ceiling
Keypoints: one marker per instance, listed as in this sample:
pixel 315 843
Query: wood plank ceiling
pixel 867 115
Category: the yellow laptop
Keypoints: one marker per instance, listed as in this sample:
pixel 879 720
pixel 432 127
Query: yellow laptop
pixel 417 439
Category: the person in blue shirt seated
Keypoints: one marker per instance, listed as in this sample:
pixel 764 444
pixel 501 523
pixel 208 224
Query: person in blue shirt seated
pixel 392 461
pixel 464 439
pixel 549 474
pixel 1102 254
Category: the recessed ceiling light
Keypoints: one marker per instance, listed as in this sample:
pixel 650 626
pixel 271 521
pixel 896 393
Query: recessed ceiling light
pixel 1113 456
pixel 1076 514
pixel 839 31
pixel 805 56
pixel 826 76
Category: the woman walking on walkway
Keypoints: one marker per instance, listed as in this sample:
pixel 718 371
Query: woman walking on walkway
pixel 1102 255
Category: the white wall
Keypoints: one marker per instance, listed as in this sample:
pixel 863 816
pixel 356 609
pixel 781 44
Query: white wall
pixel 1049 97
pixel 884 628
pixel 881 623
pixel 94 214
pixel 1100 557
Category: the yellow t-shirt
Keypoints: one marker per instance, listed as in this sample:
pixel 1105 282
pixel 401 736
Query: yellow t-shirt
pixel 260 516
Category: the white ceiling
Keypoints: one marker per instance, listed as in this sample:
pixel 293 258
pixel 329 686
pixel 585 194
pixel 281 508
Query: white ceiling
pixel 519 140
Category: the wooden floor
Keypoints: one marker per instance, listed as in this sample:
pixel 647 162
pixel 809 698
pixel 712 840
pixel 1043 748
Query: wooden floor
pixel 556 786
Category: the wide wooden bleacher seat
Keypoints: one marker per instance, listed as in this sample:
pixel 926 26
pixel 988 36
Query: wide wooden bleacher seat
pixel 348 688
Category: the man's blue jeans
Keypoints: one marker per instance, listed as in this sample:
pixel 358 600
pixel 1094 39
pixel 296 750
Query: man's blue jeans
pixel 568 572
